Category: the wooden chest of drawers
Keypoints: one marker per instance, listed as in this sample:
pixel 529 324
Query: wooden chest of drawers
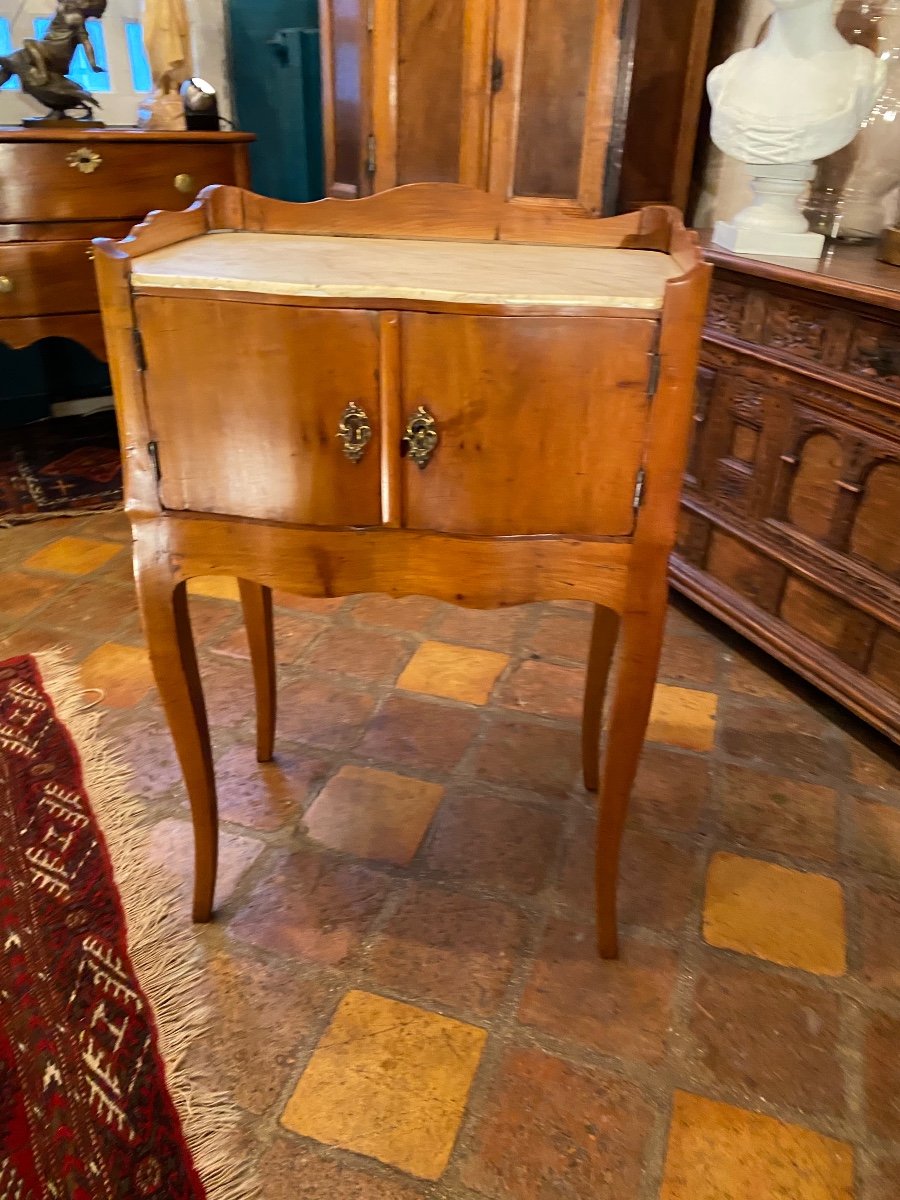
pixel 60 189
pixel 790 526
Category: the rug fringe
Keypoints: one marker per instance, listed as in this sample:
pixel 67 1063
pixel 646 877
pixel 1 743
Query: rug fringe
pixel 164 956
pixel 11 520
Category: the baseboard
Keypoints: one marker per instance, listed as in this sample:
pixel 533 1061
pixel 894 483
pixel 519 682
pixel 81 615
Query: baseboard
pixel 81 408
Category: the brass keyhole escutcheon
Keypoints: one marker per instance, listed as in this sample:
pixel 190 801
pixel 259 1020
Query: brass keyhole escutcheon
pixel 6 285
pixel 185 184
pixel 354 431
pixel 421 438
pixel 85 160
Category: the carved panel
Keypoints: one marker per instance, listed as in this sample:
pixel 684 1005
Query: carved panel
pixel 747 413
pixel 745 443
pixel 706 382
pixel 731 485
pixel 693 537
pixel 875 353
pixel 745 571
pixel 884 669
pixel 726 308
pixel 875 536
pixel 796 328
pixel 837 399
pixel 829 621
pixel 747 403
pixel 814 492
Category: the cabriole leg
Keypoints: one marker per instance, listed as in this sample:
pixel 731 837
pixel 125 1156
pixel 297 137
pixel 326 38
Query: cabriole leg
pixel 604 633
pixel 641 642
pixel 257 604
pixel 164 608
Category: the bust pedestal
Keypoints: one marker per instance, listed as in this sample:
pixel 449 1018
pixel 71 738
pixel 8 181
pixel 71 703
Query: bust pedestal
pixel 773 224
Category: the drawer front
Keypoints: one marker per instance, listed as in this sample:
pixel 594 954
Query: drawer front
pixel 94 181
pixel 49 277
pixel 819 332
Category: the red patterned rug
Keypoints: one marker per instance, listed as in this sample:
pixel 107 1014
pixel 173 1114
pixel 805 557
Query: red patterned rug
pixel 60 467
pixel 97 974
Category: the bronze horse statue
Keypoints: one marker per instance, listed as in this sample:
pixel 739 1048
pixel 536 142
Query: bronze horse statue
pixel 41 64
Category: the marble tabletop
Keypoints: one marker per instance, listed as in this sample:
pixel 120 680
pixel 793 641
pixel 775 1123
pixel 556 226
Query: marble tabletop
pixel 449 271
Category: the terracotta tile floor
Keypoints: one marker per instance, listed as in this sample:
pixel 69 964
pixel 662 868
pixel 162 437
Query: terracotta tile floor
pixel 406 998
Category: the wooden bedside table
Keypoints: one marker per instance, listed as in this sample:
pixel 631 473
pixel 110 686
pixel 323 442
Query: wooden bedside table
pixel 427 391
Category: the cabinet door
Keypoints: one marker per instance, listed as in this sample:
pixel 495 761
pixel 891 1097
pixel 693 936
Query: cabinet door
pixel 558 121
pixel 431 91
pixel 255 434
pixel 540 422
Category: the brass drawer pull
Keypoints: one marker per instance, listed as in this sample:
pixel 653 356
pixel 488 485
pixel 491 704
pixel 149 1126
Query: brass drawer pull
pixel 185 184
pixel 84 160
pixel 354 431
pixel 421 438
pixel 6 285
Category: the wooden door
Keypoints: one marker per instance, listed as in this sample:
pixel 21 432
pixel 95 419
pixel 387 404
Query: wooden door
pixel 540 422
pixel 346 102
pixel 558 121
pixel 670 63
pixel 431 91
pixel 257 432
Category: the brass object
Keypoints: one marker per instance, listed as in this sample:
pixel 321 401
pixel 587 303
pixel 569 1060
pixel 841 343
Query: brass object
pixel 41 64
pixel 185 184
pixel 90 253
pixel 85 160
pixel 889 247
pixel 6 285
pixel 354 431
pixel 421 438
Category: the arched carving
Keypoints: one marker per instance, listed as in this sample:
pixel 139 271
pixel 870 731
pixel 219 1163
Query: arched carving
pixel 874 536
pixel 814 492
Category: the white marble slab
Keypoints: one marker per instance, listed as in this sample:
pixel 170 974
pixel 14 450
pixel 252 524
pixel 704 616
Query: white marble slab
pixel 463 272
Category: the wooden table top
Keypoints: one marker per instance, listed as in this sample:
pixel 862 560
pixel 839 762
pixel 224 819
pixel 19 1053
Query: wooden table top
pixel 850 271
pixel 360 267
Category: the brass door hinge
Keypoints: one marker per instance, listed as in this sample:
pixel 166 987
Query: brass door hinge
pixel 653 378
pixel 371 160
pixel 153 451
pixel 139 353
pixel 497 75
pixel 639 489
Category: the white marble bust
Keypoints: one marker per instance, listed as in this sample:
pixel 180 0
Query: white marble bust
pixel 798 96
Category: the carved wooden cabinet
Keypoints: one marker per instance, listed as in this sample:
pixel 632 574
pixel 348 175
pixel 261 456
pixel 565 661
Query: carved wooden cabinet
pixel 402 394
pixel 587 101
pixel 61 188
pixel 790 526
